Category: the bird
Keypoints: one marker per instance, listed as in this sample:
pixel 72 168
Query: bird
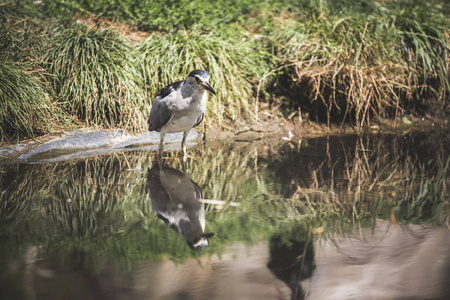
pixel 176 201
pixel 180 106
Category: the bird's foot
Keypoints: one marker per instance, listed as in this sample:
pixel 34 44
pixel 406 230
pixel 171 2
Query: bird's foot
pixel 185 156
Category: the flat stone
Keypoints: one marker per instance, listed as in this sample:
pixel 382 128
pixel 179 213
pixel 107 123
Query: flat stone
pixel 78 144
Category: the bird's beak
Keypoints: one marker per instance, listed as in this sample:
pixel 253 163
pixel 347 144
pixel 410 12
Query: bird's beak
pixel 208 87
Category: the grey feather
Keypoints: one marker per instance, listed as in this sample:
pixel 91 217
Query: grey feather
pixel 166 91
pixel 160 115
pixel 199 120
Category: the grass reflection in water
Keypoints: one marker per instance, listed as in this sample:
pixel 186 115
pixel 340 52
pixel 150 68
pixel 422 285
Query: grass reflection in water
pixel 100 207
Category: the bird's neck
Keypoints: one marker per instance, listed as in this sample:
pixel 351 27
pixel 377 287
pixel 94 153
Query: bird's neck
pixel 195 94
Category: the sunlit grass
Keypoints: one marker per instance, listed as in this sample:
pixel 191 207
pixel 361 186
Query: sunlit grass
pixel 93 75
pixel 25 108
pixel 347 65
pixel 165 58
pixel 333 61
pixel 167 16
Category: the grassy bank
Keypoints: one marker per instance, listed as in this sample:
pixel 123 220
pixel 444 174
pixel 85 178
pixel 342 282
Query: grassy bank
pixel 329 61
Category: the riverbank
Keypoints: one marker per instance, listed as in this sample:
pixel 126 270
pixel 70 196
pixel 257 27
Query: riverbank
pixel 89 142
pixel 99 65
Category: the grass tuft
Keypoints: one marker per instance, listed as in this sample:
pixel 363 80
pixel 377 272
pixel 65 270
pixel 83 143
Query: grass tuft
pixel 25 109
pixel 93 75
pixel 355 65
pixel 164 59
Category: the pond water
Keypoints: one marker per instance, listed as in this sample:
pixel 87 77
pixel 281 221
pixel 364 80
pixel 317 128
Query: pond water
pixel 337 217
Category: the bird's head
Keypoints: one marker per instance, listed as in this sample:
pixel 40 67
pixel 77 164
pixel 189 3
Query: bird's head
pixel 201 79
pixel 200 242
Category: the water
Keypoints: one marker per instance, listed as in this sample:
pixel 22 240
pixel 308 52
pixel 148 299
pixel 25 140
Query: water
pixel 339 217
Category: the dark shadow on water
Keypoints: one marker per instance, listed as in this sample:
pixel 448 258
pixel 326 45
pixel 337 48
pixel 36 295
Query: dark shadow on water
pixel 292 259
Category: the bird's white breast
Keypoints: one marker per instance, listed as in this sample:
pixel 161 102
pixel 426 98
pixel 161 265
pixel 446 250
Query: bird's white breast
pixel 186 113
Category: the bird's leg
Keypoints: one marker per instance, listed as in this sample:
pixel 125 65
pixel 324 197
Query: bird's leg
pixel 183 166
pixel 161 145
pixel 183 145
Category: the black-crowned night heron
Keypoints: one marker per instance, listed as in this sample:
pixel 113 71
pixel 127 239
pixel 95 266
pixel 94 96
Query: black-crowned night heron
pixel 180 106
pixel 176 201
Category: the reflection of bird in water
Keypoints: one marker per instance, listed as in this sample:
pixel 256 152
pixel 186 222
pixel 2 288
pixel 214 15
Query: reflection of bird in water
pixel 291 261
pixel 175 199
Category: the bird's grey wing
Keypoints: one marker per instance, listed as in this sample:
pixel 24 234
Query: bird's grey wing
pixel 199 120
pixel 160 113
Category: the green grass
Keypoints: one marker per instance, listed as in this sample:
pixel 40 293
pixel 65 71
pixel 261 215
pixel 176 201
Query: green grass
pixel 94 77
pixel 168 15
pixel 167 58
pixel 342 64
pixel 335 61
pixel 25 108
